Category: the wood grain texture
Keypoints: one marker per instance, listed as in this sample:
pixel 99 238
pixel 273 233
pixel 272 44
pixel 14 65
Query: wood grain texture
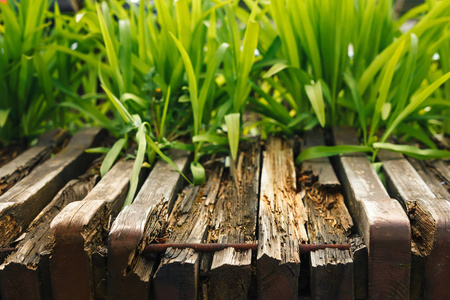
pixel 80 233
pixel 140 223
pixel 329 222
pixel 430 227
pixel 380 220
pixel 281 227
pixel 22 203
pixel 22 165
pixel 25 274
pixel 177 274
pixel 234 221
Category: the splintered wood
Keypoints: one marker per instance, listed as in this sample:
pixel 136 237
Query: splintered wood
pixel 430 227
pixel 18 168
pixel 329 222
pixel 23 202
pixel 281 224
pixel 142 222
pixel 177 274
pixel 80 237
pixel 25 274
pixel 234 221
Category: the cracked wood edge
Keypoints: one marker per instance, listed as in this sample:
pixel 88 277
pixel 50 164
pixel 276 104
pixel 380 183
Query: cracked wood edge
pixel 79 231
pixel 22 203
pixel 380 220
pixel 25 273
pixel 281 227
pixel 229 272
pixel 430 227
pixel 177 273
pixel 329 222
pixel 22 165
pixel 129 272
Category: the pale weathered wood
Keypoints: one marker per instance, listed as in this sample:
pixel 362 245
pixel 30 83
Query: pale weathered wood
pixel 329 222
pixel 380 220
pixel 234 221
pixel 281 226
pixel 22 203
pixel 430 227
pixel 25 273
pixel 79 232
pixel 177 274
pixel 22 165
pixel 441 170
pixel 429 175
pixel 138 224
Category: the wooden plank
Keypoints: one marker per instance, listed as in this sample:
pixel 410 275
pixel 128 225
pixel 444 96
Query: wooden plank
pixel 380 220
pixel 142 222
pixel 442 171
pixel 80 229
pixel 430 176
pixel 430 227
pixel 25 273
pixel 329 222
pixel 22 203
pixel 234 221
pixel 177 274
pixel 22 165
pixel 281 227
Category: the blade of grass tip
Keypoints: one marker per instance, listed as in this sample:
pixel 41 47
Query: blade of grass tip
pixel 327 151
pixel 198 172
pixel 413 151
pixel 126 116
pixel 384 89
pixel 125 60
pixel 233 127
pixel 315 96
pixel 111 156
pixel 416 100
pixel 139 160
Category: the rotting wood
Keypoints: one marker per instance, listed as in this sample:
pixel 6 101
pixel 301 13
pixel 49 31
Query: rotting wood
pixel 229 272
pixel 22 203
pixel 430 227
pixel 25 274
pixel 328 222
pixel 80 231
pixel 380 220
pixel 282 219
pixel 177 274
pixel 142 222
pixel 21 166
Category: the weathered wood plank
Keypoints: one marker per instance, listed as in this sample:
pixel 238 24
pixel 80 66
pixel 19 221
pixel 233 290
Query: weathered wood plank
pixel 281 227
pixel 25 273
pixel 430 227
pixel 140 223
pixel 177 274
pixel 79 232
pixel 21 166
pixel 22 203
pixel 442 171
pixel 428 174
pixel 380 220
pixel 234 221
pixel 329 222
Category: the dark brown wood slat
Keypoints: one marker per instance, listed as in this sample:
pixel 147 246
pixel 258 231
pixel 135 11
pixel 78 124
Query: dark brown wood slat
pixel 234 221
pixel 25 274
pixel 21 166
pixel 177 274
pixel 80 233
pixel 380 220
pixel 430 227
pixel 140 223
pixel 22 203
pixel 281 226
pixel 329 222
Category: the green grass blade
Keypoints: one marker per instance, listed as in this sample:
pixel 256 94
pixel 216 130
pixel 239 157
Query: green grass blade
pixel 327 151
pixel 111 156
